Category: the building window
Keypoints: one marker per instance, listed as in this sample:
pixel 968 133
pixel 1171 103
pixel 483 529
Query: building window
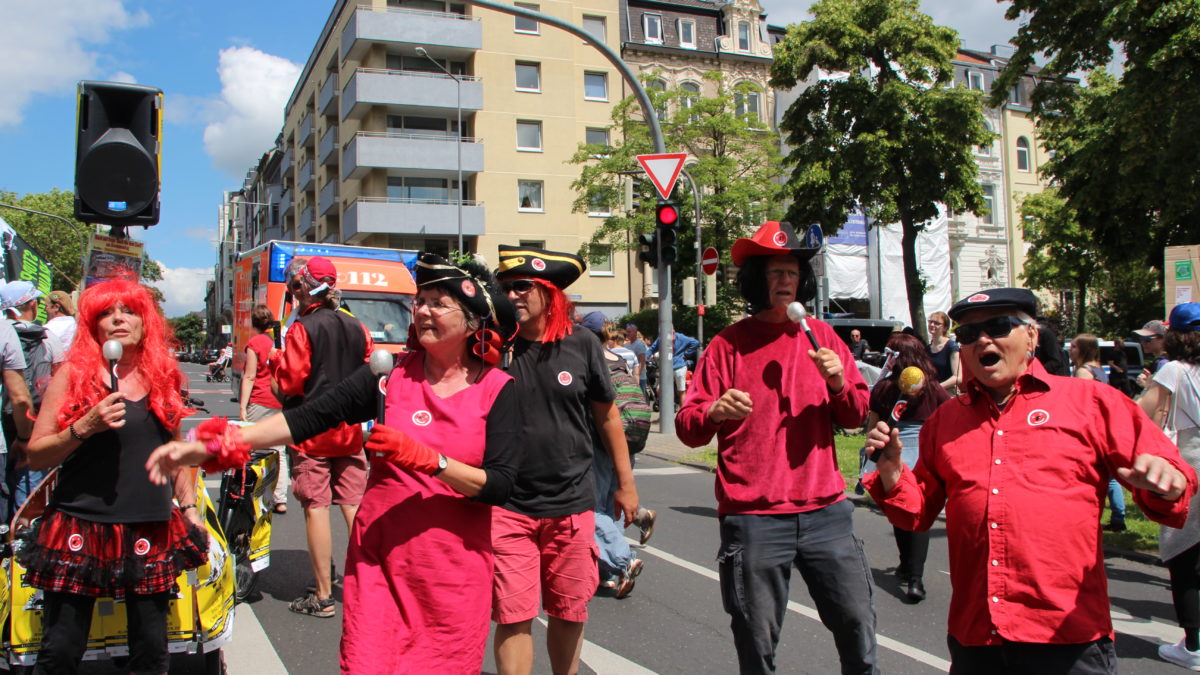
pixel 1023 162
pixel 596 27
pixel 529 195
pixel 595 86
pixel 532 243
pixel 744 36
pixel 426 126
pixel 421 64
pixel 986 148
pixel 598 205
pixel 652 25
pixel 524 24
pixel 691 96
pixel 529 135
pixel 687 33
pixel 529 76
pixel 989 202
pixel 1014 96
pixel 660 87
pixel 603 253
pixel 597 137
pixel 747 103
pixel 423 190
pixel 975 80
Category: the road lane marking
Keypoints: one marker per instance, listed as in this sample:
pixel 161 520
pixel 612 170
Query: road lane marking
pixel 605 662
pixel 666 471
pixel 914 653
pixel 251 650
pixel 1128 624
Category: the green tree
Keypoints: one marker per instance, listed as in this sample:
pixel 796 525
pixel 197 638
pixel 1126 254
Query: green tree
pixel 889 135
pixel 1140 128
pixel 189 328
pixel 736 166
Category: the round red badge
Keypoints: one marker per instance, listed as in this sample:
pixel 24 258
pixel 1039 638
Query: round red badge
pixel 141 546
pixel 75 542
pixel 538 264
pixel 779 238
pixel 564 378
pixel 422 418
pixel 1037 417
pixel 468 288
pixel 979 297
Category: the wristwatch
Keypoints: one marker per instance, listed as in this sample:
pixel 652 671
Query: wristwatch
pixel 441 464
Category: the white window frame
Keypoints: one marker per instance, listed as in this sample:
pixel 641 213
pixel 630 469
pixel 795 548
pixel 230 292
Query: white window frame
pixel 989 198
pixel 741 104
pixel 607 139
pixel 649 18
pixel 534 124
pixel 604 76
pixel 602 21
pixel 597 213
pixel 597 270
pixel 986 148
pixel 537 27
pixel 687 44
pixel 974 77
pixel 541 187
pixel 537 68
pixel 687 101
pixel 744 26
pixel 1024 155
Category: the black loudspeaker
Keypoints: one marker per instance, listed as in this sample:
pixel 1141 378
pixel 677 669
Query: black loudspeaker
pixel 118 153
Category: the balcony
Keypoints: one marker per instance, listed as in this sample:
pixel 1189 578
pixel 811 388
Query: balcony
pixel 305 223
pixel 420 152
pixel 379 215
pixel 414 90
pixel 306 175
pixel 454 35
pixel 326 99
pixel 287 164
pixel 306 130
pixel 328 197
pixel 327 149
pixel 286 205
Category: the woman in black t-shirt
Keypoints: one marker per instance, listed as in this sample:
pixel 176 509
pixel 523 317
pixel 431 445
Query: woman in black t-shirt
pixel 107 530
pixel 943 352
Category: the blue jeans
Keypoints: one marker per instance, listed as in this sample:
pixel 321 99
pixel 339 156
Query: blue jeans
pixel 615 554
pixel 1116 502
pixel 756 559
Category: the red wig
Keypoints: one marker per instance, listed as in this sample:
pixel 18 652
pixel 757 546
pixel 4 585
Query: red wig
pixel 558 309
pixel 159 368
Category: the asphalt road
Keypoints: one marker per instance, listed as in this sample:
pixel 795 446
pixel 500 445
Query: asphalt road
pixel 673 622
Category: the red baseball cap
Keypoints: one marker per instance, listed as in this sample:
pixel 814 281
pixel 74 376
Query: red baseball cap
pixel 773 238
pixel 322 270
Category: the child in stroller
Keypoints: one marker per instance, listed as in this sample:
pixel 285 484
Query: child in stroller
pixel 216 369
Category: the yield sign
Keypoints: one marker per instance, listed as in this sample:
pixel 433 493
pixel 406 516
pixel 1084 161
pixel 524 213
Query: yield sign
pixel 663 170
pixel 709 260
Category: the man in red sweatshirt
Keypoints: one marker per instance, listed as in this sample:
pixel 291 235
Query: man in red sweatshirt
pixel 771 399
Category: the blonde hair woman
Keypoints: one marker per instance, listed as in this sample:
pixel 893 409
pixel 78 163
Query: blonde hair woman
pixel 943 351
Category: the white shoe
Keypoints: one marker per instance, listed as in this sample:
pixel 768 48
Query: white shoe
pixel 1180 656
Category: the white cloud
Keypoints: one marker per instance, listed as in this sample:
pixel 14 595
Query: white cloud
pixel 183 289
pixel 45 46
pixel 122 76
pixel 255 87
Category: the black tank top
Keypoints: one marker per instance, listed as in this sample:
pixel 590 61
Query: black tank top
pixel 105 479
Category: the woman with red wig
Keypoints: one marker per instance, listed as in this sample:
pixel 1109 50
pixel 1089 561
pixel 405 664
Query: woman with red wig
pixel 108 530
pixel 910 351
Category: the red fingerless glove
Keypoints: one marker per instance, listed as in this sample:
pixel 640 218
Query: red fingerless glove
pixel 399 448
pixel 226 449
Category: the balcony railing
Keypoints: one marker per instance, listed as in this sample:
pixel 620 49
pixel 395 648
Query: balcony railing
pixel 409 88
pixel 454 34
pixel 369 150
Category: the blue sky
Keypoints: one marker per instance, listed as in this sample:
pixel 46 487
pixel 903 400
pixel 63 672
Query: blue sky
pixel 226 69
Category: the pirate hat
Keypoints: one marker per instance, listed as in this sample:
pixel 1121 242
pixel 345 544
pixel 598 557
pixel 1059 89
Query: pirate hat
pixel 473 287
pixel 560 269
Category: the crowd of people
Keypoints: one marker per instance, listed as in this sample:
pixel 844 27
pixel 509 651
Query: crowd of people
pixel 529 508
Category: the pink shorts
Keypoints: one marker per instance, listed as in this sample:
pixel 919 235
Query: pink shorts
pixel 553 557
pixel 321 481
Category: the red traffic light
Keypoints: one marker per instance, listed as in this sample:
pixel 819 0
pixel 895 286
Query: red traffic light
pixel 667 214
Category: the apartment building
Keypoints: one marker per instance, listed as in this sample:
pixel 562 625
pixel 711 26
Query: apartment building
pixel 417 122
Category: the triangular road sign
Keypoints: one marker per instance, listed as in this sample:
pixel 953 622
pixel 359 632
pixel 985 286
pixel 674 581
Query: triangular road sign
pixel 663 170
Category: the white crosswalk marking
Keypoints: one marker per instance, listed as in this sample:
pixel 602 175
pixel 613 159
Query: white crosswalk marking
pixel 251 650
pixel 605 662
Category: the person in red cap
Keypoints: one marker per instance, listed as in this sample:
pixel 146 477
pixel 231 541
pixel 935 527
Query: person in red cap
pixel 323 347
pixel 771 398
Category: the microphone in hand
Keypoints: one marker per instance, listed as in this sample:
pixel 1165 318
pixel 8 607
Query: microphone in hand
pixel 797 313
pixel 911 382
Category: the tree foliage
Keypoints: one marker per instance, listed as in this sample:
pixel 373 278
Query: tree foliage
pixel 1125 149
pixel 189 328
pixel 882 131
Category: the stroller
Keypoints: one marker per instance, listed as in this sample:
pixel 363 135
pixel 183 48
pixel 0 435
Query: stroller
pixel 218 372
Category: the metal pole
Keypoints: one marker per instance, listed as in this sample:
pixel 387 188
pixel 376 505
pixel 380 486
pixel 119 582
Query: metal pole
pixel 458 103
pixel 700 299
pixel 666 422
pixel 82 238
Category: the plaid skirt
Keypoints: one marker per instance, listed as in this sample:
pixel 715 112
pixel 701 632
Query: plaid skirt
pixel 65 554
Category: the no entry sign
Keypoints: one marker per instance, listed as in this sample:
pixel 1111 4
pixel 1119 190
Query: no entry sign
pixel 709 260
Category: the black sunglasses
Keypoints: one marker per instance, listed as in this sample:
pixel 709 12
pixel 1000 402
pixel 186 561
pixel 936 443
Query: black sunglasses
pixel 995 327
pixel 519 285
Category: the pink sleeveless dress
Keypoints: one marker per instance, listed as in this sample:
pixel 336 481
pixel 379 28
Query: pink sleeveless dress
pixel 418 583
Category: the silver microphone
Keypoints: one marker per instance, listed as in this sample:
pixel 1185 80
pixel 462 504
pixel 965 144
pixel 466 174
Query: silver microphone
pixel 113 350
pixel 797 313
pixel 381 365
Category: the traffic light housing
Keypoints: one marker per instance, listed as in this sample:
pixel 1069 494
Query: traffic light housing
pixel 648 249
pixel 118 153
pixel 666 217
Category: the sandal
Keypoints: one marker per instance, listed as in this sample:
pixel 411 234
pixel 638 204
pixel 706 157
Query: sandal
pixel 311 606
pixel 279 507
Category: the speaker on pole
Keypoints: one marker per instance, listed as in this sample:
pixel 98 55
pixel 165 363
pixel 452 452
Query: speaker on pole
pixel 118 153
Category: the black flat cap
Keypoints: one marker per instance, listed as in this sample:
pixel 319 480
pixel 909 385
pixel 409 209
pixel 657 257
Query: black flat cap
pixel 1017 298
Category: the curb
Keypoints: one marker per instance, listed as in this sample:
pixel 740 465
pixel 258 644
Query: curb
pixel 866 501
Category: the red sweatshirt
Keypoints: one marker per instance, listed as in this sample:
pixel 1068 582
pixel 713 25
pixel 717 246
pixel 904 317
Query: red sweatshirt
pixel 780 459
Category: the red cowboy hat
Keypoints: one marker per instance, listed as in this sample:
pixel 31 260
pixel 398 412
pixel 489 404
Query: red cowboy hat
pixel 773 238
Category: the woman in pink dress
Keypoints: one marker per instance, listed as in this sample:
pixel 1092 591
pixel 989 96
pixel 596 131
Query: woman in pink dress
pixel 419 564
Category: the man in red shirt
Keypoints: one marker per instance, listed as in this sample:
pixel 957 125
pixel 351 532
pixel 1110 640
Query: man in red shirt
pixel 1021 462
pixel 323 347
pixel 771 399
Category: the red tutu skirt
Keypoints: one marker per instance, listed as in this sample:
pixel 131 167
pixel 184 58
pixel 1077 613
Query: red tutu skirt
pixel 65 554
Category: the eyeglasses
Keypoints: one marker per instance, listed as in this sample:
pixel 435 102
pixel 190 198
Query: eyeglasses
pixel 520 286
pixel 995 327
pixel 434 307
pixel 935 322
pixel 1149 338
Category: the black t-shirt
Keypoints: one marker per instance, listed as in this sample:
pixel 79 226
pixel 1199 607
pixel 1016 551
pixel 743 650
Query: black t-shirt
pixel 556 385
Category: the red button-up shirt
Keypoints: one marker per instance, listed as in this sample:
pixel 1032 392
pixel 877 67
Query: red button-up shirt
pixel 1023 489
